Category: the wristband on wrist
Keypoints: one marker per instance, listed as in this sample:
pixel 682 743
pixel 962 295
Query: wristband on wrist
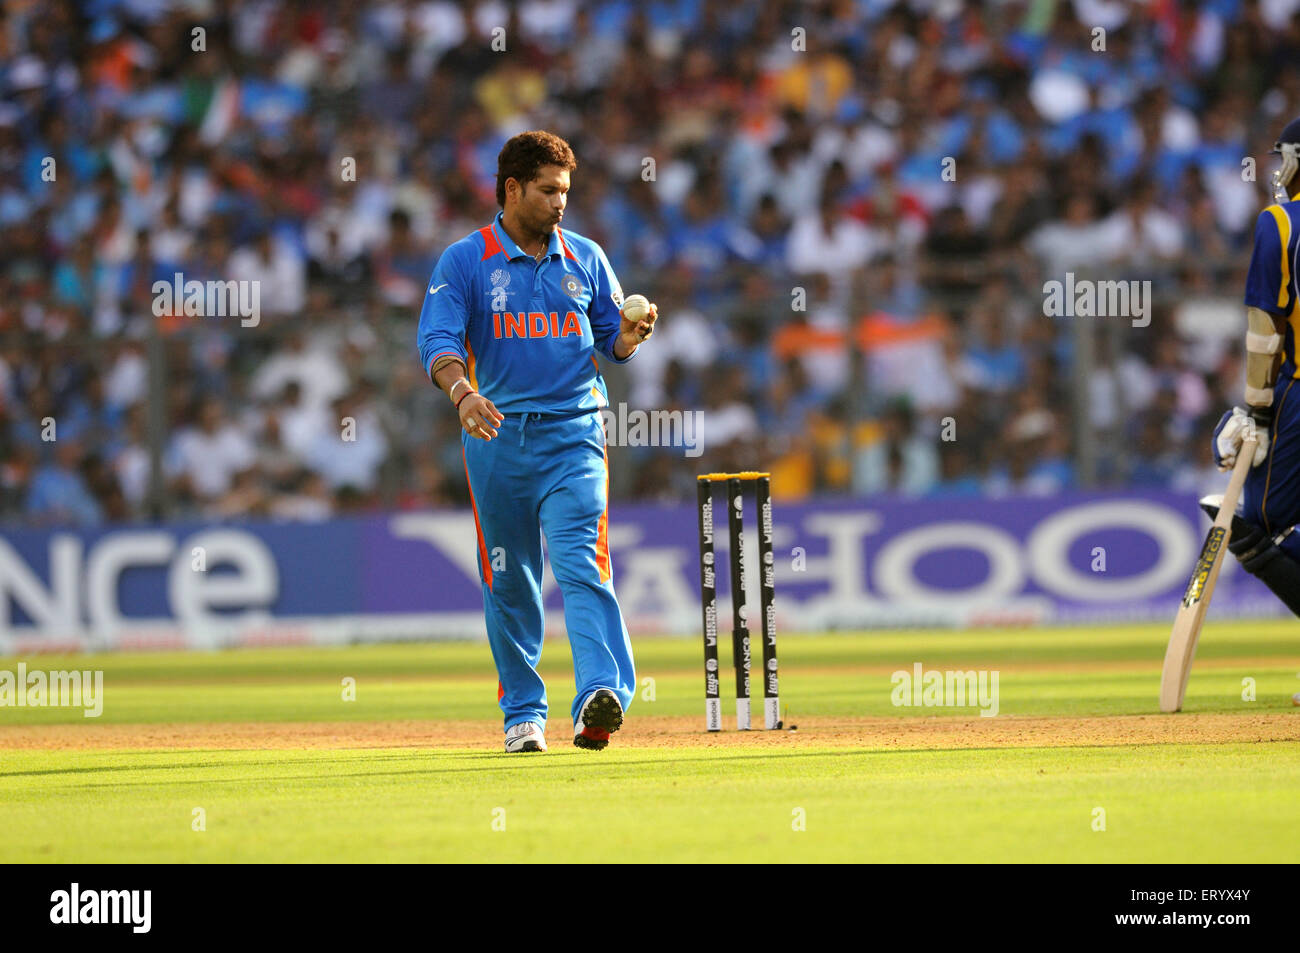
pixel 464 395
pixel 451 391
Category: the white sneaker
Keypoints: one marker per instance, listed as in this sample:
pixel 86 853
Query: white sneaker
pixel 526 736
pixel 599 715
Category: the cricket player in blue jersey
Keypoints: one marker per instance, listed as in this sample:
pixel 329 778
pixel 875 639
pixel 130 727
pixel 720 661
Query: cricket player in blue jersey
pixel 511 324
pixel 1263 532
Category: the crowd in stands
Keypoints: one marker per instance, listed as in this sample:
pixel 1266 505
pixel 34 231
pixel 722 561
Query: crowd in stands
pixel 846 212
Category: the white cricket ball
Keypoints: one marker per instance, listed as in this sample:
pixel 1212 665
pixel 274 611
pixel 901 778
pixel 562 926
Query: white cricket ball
pixel 636 307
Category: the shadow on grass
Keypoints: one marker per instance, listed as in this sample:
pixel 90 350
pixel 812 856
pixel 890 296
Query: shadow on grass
pixel 568 761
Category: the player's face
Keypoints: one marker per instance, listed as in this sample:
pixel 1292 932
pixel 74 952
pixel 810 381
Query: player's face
pixel 541 206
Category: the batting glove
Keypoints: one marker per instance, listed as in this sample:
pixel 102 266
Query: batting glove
pixel 1234 428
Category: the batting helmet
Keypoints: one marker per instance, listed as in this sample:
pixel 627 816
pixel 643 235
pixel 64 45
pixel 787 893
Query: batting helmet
pixel 1288 147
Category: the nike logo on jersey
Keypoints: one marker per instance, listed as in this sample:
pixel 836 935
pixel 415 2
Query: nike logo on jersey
pixel 434 291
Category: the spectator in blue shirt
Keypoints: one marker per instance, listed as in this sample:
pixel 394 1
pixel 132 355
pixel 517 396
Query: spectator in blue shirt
pixel 58 494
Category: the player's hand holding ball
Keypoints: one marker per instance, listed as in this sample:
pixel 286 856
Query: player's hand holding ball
pixel 1234 428
pixel 638 321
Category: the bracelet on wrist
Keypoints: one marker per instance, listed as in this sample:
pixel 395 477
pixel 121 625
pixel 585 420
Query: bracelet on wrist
pixel 464 395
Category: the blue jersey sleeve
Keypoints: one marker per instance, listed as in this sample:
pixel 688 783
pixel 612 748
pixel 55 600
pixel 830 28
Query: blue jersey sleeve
pixel 1266 282
pixel 604 315
pixel 445 313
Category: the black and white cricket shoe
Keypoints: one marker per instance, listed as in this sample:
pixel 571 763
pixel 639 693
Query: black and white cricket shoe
pixel 600 716
pixel 526 736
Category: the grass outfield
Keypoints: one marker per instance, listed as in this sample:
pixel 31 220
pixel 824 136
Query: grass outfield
pixel 286 770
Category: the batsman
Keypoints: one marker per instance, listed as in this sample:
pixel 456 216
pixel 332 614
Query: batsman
pixel 1263 536
pixel 510 327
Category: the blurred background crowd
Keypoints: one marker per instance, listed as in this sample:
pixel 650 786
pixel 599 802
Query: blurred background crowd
pixel 850 215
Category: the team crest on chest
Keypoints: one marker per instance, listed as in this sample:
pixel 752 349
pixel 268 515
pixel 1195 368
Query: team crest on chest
pixel 500 280
pixel 572 286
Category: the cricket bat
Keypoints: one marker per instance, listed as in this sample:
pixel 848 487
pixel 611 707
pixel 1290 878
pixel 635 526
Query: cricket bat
pixel 1196 600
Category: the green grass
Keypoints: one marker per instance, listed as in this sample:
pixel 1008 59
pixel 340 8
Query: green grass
pixel 1183 803
pixel 1042 672
pixel 1163 802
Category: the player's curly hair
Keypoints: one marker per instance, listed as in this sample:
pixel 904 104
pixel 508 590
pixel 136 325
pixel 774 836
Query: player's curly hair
pixel 524 154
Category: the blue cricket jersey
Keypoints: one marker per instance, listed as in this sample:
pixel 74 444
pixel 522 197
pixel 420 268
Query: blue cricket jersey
pixel 1271 281
pixel 527 331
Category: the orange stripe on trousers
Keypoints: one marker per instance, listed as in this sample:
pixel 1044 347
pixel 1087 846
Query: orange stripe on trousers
pixel 484 563
pixel 602 533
